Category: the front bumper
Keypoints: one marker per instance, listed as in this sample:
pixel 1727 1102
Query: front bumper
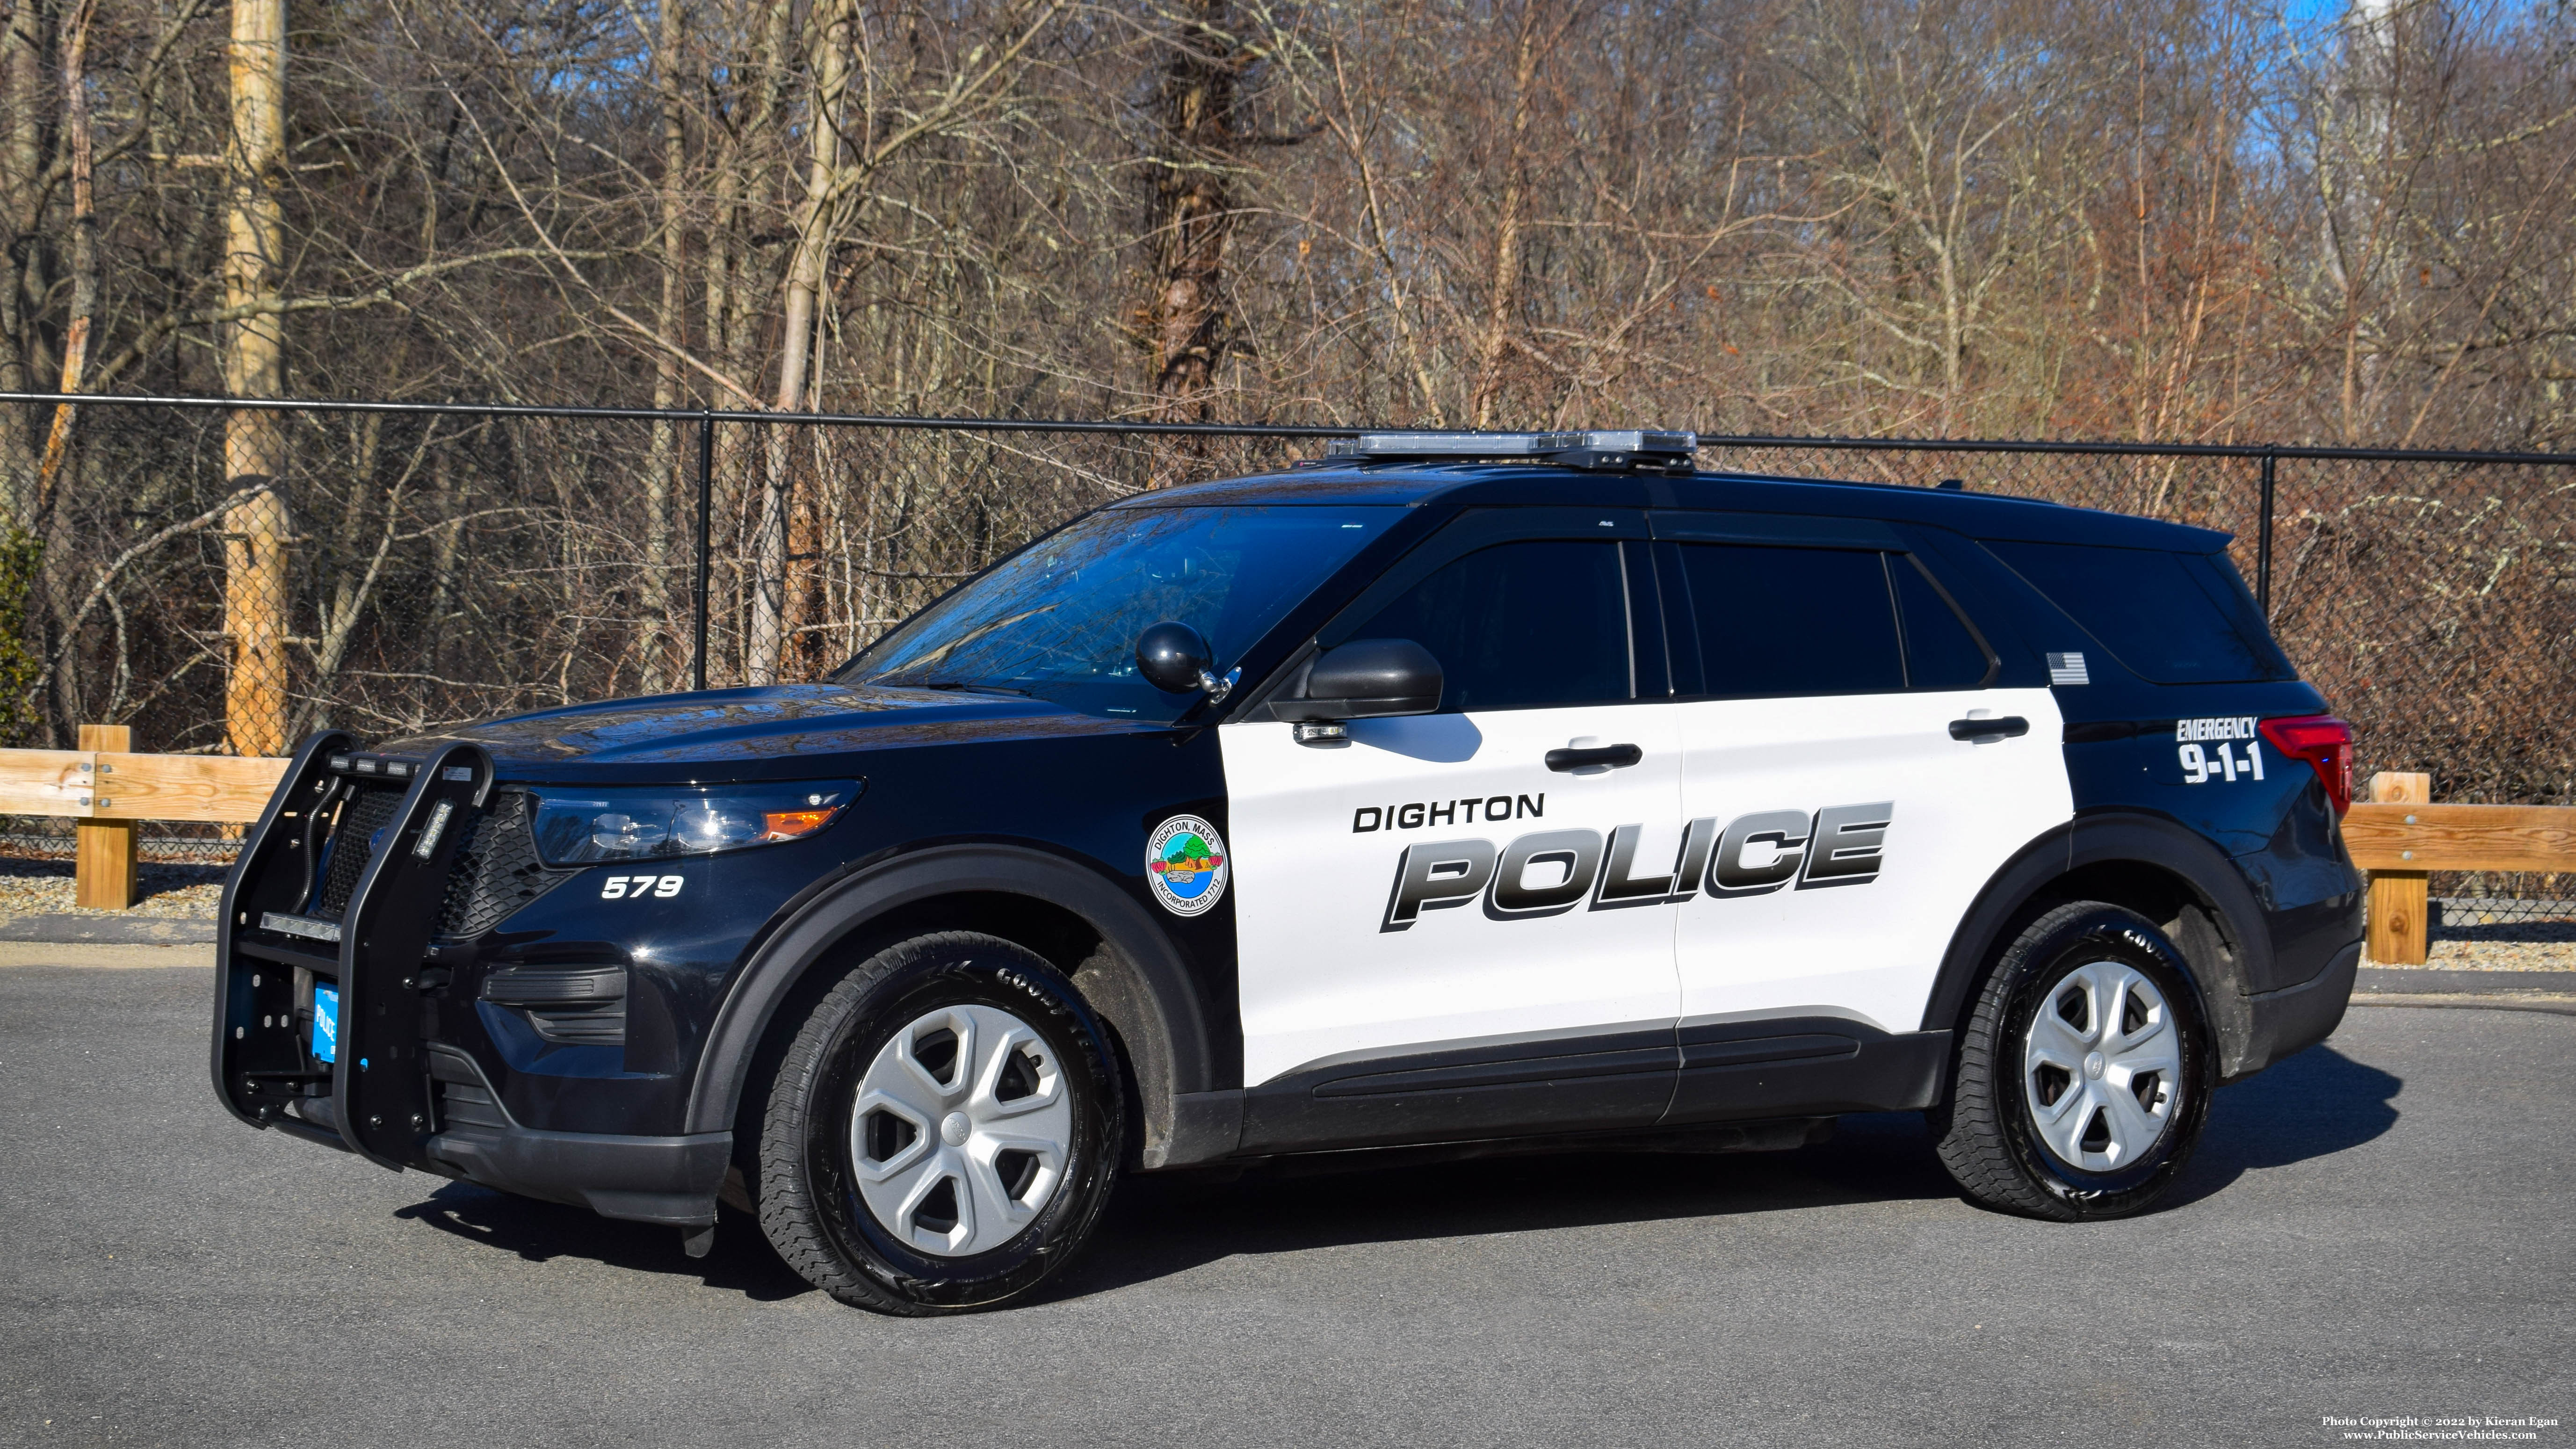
pixel 671 1181
pixel 667 1180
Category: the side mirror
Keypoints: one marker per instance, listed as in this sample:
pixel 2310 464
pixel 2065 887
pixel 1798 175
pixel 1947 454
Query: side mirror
pixel 1367 679
pixel 1175 658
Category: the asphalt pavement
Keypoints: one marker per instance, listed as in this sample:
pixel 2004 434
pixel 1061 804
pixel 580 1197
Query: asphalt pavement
pixel 2379 1227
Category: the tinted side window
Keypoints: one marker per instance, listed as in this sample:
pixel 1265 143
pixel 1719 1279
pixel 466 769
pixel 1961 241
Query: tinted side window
pixel 1532 623
pixel 1792 620
pixel 1940 653
pixel 2168 616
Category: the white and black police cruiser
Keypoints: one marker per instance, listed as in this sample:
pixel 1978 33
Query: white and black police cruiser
pixel 1468 789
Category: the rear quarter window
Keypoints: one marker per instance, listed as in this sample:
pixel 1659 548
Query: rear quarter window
pixel 2173 618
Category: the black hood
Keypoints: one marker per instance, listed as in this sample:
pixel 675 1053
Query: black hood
pixel 783 731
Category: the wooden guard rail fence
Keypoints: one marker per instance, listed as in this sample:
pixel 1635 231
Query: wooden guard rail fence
pixel 2401 837
pixel 2398 835
pixel 111 790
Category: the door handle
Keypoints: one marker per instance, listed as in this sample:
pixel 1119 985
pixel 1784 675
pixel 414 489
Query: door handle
pixel 2008 727
pixel 1615 755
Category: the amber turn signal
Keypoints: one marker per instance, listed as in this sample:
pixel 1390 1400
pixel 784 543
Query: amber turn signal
pixel 793 824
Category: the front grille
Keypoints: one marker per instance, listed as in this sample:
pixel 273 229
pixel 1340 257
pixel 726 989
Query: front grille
pixel 368 809
pixel 496 871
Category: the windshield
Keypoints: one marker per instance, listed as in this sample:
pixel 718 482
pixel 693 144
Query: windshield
pixel 1059 620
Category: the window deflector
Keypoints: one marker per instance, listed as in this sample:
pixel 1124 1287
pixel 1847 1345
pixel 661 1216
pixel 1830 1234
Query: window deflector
pixel 1470 531
pixel 1790 530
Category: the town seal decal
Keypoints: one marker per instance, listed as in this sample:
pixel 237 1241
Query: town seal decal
pixel 1185 864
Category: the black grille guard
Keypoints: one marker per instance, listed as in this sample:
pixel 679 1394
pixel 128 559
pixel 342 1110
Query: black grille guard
pixel 267 953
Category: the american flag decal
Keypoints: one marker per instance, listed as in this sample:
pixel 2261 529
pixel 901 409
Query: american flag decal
pixel 2067 669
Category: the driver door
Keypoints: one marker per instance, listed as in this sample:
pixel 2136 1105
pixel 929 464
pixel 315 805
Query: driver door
pixel 1452 923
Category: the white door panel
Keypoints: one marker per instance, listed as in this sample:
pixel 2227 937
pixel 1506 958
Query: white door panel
pixel 1337 957
pixel 1813 936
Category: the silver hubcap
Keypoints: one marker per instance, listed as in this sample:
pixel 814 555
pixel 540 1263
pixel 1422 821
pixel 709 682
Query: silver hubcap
pixel 961 1130
pixel 2103 1068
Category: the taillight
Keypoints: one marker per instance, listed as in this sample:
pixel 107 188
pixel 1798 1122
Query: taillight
pixel 2325 743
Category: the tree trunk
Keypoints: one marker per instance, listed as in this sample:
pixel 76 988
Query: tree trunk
pixel 22 160
pixel 662 661
pixel 76 336
pixel 442 564
pixel 1185 315
pixel 256 531
pixel 1504 297
pixel 769 604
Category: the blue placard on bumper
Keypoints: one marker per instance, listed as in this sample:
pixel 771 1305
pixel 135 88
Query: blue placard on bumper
pixel 326 1022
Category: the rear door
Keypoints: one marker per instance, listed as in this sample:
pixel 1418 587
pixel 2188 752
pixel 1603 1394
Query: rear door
pixel 1440 932
pixel 1844 796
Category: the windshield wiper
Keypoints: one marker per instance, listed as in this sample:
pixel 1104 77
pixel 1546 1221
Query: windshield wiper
pixel 976 686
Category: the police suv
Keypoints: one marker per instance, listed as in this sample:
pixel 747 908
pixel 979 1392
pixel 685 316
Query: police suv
pixel 1473 790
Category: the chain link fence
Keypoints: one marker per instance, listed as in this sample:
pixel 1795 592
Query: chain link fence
pixel 227 580
pixel 395 570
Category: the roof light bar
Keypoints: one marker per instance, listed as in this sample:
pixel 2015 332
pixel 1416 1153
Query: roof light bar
pixel 1612 450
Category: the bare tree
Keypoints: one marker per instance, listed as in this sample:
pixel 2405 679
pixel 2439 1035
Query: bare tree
pixel 2186 219
pixel 257 529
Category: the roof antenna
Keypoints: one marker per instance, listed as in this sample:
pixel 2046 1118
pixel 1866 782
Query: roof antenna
pixel 1954 485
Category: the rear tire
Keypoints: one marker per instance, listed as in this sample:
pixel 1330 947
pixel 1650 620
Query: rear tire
pixel 944 1131
pixel 2084 1070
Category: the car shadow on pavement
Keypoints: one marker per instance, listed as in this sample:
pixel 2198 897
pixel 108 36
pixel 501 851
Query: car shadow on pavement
pixel 741 1260
pixel 1161 1226
pixel 2315 1104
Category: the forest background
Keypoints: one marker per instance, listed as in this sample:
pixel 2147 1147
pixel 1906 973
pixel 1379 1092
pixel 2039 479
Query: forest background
pixel 2192 220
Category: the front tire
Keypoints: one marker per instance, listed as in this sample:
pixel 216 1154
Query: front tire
pixel 943 1132
pixel 2084 1070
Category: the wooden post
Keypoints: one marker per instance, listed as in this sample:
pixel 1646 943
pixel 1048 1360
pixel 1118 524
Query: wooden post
pixel 103 866
pixel 2400 900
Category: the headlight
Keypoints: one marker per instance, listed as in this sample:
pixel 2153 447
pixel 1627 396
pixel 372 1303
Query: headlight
pixel 581 827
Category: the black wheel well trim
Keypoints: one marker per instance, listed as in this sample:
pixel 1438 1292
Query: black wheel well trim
pixel 1175 1048
pixel 2225 951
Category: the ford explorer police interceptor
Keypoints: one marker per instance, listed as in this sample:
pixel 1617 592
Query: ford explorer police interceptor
pixel 1462 789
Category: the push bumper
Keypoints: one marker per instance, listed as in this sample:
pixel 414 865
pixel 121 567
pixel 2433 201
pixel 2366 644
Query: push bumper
pixel 373 1096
